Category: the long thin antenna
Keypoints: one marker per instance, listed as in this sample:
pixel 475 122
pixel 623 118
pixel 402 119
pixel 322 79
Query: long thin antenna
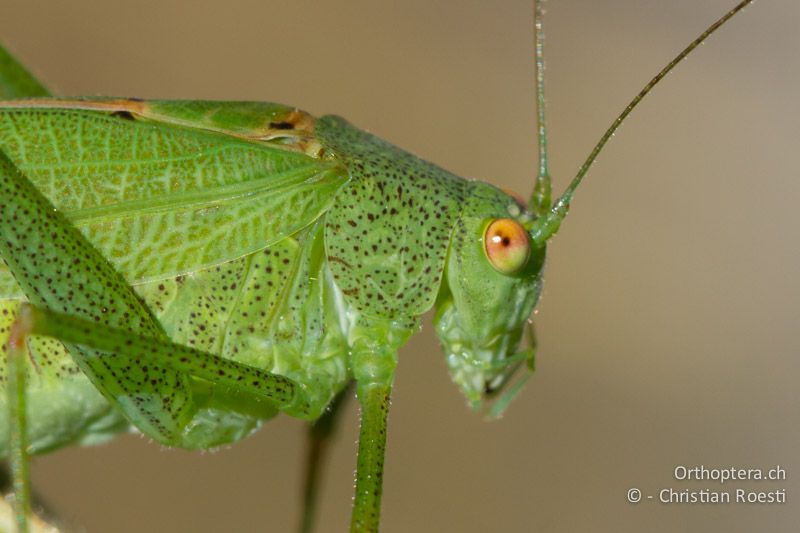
pixel 541 197
pixel 546 226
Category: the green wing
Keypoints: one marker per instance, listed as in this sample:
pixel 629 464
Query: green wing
pixel 15 80
pixel 158 198
pixel 165 189
pixel 216 181
pixel 66 406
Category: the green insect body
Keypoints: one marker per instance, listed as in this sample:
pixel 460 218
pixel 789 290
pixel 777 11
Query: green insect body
pixel 197 267
pixel 304 259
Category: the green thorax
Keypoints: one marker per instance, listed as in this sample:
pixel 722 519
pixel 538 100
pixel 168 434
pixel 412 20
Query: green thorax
pixel 388 230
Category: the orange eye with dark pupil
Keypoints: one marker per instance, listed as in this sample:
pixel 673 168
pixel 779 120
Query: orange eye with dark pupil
pixel 507 245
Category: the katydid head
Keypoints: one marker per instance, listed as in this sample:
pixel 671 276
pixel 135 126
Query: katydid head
pixel 491 283
pixel 493 273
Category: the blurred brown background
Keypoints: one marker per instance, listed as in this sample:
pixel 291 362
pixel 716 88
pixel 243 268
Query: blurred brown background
pixel 669 323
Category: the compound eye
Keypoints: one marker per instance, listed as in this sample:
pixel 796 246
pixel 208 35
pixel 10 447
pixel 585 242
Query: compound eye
pixel 507 245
